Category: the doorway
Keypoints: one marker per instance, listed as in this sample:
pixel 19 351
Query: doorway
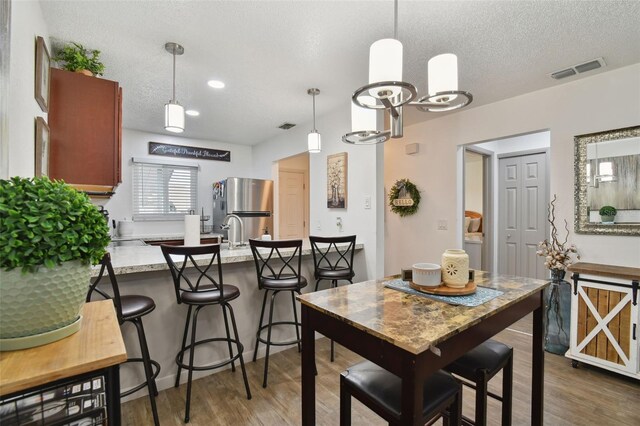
pixel 515 195
pixel 293 197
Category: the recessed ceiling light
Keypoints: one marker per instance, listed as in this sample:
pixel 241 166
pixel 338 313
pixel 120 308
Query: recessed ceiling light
pixel 216 84
pixel 192 112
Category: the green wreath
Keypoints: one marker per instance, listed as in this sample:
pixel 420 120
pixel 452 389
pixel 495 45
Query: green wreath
pixel 404 198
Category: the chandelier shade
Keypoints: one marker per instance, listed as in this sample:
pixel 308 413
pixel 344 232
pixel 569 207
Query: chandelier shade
pixel 363 118
pixel 174 117
pixel 385 64
pixel 442 76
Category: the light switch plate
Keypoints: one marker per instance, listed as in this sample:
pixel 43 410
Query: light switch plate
pixel 367 202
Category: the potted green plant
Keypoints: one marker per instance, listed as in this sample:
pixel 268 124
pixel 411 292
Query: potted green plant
pixel 74 57
pixel 608 214
pixel 50 234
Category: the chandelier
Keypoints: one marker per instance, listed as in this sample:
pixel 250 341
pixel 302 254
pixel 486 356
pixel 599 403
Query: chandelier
pixel 387 91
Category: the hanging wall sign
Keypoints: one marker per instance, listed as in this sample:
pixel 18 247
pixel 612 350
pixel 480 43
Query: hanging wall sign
pixel 404 198
pixel 168 150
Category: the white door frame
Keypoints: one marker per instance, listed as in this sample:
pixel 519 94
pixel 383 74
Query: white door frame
pixel 487 204
pixel 493 187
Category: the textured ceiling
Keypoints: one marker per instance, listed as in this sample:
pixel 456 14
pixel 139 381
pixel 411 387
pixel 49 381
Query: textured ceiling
pixel 270 52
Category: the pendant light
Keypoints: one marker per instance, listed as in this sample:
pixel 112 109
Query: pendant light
pixel 314 143
pixel 173 111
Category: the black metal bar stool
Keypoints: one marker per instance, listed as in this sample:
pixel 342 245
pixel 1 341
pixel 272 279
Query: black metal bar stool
pixel 336 267
pixel 197 288
pixel 131 308
pixel 476 368
pixel 381 391
pixel 285 276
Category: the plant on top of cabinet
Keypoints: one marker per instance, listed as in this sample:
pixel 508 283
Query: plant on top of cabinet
pixel 78 59
pixel 50 234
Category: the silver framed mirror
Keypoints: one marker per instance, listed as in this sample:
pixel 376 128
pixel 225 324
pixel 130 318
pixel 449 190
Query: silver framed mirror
pixel 607 182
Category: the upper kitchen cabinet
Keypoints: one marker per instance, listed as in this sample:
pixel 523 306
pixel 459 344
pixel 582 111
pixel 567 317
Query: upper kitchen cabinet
pixel 85 121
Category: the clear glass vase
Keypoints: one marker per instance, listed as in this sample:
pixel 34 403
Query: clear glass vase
pixel 558 313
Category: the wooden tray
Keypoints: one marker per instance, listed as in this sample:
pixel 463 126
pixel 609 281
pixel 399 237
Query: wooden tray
pixel 443 290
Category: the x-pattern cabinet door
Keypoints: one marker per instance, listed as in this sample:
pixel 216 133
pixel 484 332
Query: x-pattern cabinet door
pixel 605 331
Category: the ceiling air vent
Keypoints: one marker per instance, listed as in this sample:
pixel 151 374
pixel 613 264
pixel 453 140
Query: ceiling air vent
pixel 563 74
pixel 579 68
pixel 286 126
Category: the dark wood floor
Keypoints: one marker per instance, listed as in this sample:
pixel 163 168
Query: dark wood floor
pixel 583 396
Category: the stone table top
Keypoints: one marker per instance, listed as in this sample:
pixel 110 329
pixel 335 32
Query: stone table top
pixel 415 323
pixel 136 259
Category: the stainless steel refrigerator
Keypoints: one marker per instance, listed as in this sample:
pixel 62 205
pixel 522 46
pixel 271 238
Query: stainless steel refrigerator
pixel 249 199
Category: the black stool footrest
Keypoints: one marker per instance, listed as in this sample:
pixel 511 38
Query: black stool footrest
pixel 209 367
pixel 155 367
pixel 291 342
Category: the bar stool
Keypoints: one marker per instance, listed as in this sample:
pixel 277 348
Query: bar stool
pixel 271 278
pixel 131 308
pixel 197 290
pixel 381 390
pixel 341 268
pixel 476 368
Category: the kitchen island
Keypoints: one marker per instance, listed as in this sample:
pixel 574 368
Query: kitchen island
pixel 142 270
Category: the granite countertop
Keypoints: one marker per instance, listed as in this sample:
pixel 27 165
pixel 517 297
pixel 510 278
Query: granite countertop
pixel 415 323
pixel 131 260
pixel 162 237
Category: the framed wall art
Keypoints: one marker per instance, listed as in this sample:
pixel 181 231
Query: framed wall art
pixel 337 181
pixel 43 63
pixel 42 148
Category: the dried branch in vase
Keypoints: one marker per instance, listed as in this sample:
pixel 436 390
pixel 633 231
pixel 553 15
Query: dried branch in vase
pixel 558 255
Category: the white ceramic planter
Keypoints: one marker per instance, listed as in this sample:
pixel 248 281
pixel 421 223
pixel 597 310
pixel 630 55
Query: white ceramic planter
pixel 427 274
pixel 34 305
pixel 455 268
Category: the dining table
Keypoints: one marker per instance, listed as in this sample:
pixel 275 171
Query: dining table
pixel 413 336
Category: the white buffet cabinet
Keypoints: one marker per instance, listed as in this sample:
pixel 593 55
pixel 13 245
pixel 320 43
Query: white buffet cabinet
pixel 605 317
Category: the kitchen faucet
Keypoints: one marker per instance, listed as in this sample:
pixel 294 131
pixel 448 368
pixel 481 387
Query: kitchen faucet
pixel 225 225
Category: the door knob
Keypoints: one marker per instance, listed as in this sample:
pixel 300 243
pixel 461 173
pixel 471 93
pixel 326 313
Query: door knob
pixel 508 235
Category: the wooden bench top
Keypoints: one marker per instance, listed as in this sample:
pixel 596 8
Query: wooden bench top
pixel 613 271
pixel 97 345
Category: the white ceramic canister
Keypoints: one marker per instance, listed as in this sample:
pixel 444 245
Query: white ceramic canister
pixel 125 228
pixel 426 274
pixel 455 268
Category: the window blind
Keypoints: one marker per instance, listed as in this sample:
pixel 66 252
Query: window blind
pixel 164 191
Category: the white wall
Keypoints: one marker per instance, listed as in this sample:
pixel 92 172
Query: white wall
pixel 566 110
pixel 135 144
pixel 363 181
pixel 27 23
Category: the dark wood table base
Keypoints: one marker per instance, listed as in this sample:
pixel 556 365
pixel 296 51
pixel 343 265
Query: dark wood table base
pixel 414 368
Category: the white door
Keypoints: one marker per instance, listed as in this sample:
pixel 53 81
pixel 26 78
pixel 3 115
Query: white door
pixel 522 214
pixel 291 209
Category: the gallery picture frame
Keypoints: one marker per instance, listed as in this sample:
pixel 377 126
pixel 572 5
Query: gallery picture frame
pixel 42 74
pixel 42 145
pixel 337 174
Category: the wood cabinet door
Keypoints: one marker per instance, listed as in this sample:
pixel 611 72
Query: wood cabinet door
pixel 603 321
pixel 85 126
